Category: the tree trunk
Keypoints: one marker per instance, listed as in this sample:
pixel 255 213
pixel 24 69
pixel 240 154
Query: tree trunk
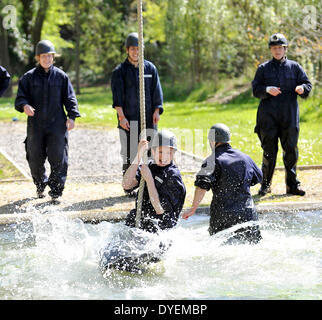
pixel 37 28
pixel 41 15
pixel 27 14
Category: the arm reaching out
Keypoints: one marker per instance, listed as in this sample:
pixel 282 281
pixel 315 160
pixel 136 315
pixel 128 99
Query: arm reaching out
pixel 198 196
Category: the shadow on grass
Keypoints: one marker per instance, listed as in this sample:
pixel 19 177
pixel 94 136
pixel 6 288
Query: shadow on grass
pixel 98 204
pixel 15 207
pixel 258 199
pixel 18 206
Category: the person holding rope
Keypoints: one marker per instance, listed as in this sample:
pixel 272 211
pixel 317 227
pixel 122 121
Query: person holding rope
pixel 42 94
pixel 164 192
pixel 4 80
pixel 229 173
pixel 277 84
pixel 126 100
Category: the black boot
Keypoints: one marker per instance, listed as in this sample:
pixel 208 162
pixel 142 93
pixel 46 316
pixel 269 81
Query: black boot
pixel 40 194
pixel 264 190
pixel 295 191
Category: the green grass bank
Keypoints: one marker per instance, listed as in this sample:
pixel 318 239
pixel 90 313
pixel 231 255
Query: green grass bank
pixel 190 115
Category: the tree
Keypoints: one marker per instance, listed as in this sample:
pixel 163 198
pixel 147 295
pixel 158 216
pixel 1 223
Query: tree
pixel 33 14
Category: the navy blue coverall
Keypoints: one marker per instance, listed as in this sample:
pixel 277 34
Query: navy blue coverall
pixel 47 135
pixel 126 94
pixel 4 80
pixel 278 117
pixel 234 172
pixel 172 193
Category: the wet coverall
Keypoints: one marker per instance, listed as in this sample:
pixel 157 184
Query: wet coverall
pixel 234 172
pixel 126 94
pixel 172 193
pixel 278 116
pixel 4 80
pixel 47 135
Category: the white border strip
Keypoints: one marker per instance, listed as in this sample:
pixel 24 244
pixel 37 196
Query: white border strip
pixel 21 170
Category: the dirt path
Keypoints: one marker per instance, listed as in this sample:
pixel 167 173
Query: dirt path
pixel 94 181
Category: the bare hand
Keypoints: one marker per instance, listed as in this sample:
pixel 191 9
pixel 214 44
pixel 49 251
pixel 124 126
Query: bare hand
pixel 156 116
pixel 142 147
pixel 299 89
pixel 125 124
pixel 274 91
pixel 188 213
pixel 29 110
pixel 70 124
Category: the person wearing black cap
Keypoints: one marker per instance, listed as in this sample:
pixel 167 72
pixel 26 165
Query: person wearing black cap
pixel 4 80
pixel 126 100
pixel 229 173
pixel 164 191
pixel 43 92
pixel 277 83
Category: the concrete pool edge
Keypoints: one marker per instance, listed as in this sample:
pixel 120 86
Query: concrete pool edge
pixel 110 216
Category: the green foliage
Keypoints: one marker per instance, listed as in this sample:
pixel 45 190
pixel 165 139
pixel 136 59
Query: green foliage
pixel 205 52
pixel 190 41
pixel 311 109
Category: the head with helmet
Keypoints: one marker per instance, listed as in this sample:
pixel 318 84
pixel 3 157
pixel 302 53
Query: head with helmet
pixel 132 47
pixel 218 134
pixel 164 146
pixel 277 44
pixel 45 53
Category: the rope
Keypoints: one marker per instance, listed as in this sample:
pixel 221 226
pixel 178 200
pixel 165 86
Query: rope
pixel 142 108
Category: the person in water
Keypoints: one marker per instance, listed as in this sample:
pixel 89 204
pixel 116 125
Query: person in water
pixel 164 191
pixel 229 173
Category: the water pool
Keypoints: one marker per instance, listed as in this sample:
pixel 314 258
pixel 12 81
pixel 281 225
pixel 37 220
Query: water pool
pixel 57 258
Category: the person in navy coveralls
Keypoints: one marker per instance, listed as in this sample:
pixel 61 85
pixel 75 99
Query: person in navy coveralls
pixel 277 83
pixel 44 93
pixel 4 80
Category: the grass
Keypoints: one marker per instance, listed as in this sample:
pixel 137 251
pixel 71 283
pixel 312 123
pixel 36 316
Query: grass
pixel 192 116
pixel 8 170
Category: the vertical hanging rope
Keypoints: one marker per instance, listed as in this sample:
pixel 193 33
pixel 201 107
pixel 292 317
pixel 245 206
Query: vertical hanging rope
pixel 142 107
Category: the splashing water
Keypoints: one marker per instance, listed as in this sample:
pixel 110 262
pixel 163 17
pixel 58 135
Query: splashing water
pixel 53 257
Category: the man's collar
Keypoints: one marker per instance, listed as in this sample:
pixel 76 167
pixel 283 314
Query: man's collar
pixel 282 61
pixel 42 70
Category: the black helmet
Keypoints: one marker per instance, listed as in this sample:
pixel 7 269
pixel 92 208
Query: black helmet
pixel 44 46
pixel 132 40
pixel 277 39
pixel 164 138
pixel 219 132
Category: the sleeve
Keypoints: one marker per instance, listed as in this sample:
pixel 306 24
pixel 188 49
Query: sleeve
pixel 69 100
pixel 117 86
pixel 206 175
pixel 257 176
pixel 4 80
pixel 23 96
pixel 172 202
pixel 138 174
pixel 157 93
pixel 258 84
pixel 303 80
pixel 204 182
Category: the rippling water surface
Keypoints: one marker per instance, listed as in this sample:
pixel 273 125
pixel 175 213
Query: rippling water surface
pixel 56 258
